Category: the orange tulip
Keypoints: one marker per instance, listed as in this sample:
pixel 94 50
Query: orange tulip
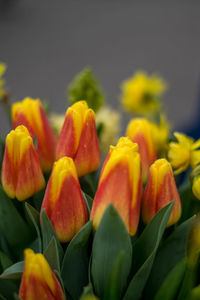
pixel 63 200
pixel 139 131
pixel 120 184
pixel 160 190
pixel 38 281
pixel 21 174
pixel 78 138
pixel 30 113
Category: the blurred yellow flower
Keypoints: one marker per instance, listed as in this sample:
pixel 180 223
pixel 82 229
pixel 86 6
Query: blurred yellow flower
pixel 2 81
pixel 110 121
pixel 184 153
pixel 57 121
pixel 160 133
pixel 141 93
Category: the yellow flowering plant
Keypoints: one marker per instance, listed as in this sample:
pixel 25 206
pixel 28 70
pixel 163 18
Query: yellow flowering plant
pixel 75 227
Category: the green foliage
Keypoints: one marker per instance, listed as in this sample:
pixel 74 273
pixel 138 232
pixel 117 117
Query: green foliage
pixel 76 262
pixel 110 240
pixel 86 87
pixel 144 250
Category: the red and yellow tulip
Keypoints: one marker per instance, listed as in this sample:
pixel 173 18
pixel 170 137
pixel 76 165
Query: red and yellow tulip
pixel 21 174
pixel 78 138
pixel 38 280
pixel 139 130
pixel 63 200
pixel 30 113
pixel 160 190
pixel 120 184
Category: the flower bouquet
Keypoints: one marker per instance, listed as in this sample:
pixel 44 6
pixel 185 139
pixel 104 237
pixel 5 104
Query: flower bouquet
pixel 82 220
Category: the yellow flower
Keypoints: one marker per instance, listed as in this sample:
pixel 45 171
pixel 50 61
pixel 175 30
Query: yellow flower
pixel 160 133
pixel 110 120
pixel 2 81
pixel 57 121
pixel 140 93
pixel 184 153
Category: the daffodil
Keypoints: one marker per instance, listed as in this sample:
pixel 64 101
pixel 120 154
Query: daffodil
pixel 160 133
pixel 2 81
pixel 184 153
pixel 111 125
pixel 141 93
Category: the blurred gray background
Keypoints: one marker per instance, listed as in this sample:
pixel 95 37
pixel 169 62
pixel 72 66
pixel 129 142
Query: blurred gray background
pixel 45 43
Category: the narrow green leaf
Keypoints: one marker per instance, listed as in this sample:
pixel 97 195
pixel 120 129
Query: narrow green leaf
pixel 75 263
pixel 169 287
pixel 144 251
pixel 35 218
pixel 172 251
pixel 51 254
pixel 12 224
pixel 112 286
pixel 13 272
pixel 88 201
pixel 47 233
pixel 111 238
pixel 5 261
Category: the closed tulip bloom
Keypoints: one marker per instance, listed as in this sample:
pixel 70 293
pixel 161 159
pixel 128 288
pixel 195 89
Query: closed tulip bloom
pixel 120 184
pixel 21 174
pixel 196 186
pixel 30 113
pixel 38 281
pixel 160 190
pixel 78 138
pixel 139 131
pixel 63 200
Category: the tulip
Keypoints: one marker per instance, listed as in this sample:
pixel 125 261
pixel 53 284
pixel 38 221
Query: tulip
pixel 78 138
pixel 196 186
pixel 139 131
pixel 30 113
pixel 120 184
pixel 160 190
pixel 63 200
pixel 21 174
pixel 38 280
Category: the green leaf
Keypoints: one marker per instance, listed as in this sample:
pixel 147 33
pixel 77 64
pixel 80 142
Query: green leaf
pixel 13 226
pixel 75 263
pixel 170 286
pixel 47 233
pixel 111 238
pixel 35 218
pixel 88 201
pixel 13 272
pixel 113 282
pixel 171 252
pixel 5 261
pixel 144 251
pixel 51 254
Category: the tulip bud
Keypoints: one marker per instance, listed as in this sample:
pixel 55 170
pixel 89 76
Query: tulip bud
pixel 78 138
pixel 63 200
pixel 120 184
pixel 140 131
pixel 30 113
pixel 38 280
pixel 21 174
pixel 196 186
pixel 160 190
